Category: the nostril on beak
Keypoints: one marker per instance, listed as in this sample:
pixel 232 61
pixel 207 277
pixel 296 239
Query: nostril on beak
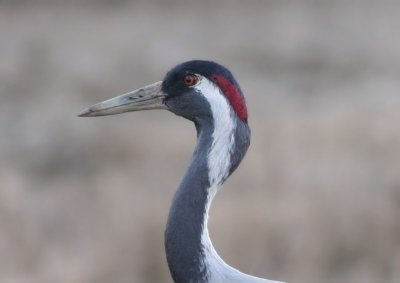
pixel 140 94
pixel 135 97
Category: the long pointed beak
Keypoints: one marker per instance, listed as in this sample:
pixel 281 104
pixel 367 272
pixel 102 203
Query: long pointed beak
pixel 145 98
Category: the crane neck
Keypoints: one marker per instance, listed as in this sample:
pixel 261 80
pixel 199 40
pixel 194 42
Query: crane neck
pixel 191 257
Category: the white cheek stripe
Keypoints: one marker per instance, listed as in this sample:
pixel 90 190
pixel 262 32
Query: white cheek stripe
pixel 223 135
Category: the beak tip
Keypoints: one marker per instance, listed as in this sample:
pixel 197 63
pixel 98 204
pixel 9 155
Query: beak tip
pixel 86 113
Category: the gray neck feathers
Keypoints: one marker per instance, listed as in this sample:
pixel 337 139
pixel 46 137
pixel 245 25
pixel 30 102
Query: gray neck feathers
pixel 188 247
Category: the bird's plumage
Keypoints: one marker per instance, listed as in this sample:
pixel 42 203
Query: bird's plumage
pixel 207 94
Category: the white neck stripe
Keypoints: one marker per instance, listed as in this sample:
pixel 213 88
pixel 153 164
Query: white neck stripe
pixel 219 158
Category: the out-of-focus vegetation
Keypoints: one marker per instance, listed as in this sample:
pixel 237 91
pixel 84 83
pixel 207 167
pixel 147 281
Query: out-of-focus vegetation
pixel 317 198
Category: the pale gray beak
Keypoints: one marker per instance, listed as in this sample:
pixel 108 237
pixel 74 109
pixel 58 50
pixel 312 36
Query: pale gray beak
pixel 145 98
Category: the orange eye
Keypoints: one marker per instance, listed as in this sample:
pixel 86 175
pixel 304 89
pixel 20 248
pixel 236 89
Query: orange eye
pixel 191 80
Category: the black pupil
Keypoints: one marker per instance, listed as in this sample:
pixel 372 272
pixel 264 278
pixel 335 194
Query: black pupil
pixel 190 80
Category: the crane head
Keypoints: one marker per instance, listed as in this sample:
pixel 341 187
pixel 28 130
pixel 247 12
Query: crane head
pixel 196 90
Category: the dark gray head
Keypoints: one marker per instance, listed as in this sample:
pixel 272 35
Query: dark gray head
pixel 186 84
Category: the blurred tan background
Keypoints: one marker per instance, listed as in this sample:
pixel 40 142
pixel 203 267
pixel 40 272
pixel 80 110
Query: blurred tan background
pixel 316 200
